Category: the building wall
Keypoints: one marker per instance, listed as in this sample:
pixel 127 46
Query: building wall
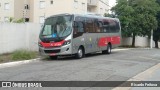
pixel 58 7
pixel 6 13
pixel 31 10
pixel 102 7
pixel 34 13
pixel 98 7
pixel 19 11
pixel 80 8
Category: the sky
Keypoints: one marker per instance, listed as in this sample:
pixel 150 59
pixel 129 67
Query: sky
pixel 112 2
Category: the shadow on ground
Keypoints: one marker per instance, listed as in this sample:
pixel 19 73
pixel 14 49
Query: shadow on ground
pixel 68 58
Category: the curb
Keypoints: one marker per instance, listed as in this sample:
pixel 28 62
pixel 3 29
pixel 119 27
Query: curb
pixel 140 77
pixel 16 63
pixel 11 64
pixel 124 49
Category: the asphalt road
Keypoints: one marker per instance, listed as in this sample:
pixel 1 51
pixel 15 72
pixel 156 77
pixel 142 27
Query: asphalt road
pixel 118 66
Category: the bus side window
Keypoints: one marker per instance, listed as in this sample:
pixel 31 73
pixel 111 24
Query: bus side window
pixel 78 27
pixel 89 25
pixel 117 26
pixel 99 26
pixel 106 27
pixel 113 26
pixel 75 27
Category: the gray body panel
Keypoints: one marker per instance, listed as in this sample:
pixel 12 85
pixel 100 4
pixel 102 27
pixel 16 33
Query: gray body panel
pixel 88 40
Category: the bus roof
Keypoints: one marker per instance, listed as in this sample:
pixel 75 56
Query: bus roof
pixel 84 15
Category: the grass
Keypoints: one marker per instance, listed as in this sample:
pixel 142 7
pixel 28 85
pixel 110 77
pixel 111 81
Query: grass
pixel 18 55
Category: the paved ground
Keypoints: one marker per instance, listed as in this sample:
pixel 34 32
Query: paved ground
pixel 119 66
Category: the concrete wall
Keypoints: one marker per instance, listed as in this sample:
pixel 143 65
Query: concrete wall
pixel 140 41
pixel 14 36
pixel 18 36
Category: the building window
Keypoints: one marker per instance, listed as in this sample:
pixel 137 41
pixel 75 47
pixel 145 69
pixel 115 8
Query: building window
pixel 6 19
pixel 6 6
pixel 42 4
pixel 26 6
pixel 101 10
pixel 51 1
pixel 106 10
pixel 76 4
pixel 41 19
pixel 83 6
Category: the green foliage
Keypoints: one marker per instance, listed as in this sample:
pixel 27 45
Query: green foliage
pixel 19 20
pixel 156 35
pixel 11 19
pixel 23 55
pixel 109 15
pixel 124 12
pixel 137 17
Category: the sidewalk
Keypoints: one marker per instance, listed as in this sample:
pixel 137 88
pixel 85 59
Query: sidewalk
pixel 154 77
pixel 151 74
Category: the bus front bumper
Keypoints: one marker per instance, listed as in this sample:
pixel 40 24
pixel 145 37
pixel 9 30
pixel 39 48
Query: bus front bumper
pixel 55 51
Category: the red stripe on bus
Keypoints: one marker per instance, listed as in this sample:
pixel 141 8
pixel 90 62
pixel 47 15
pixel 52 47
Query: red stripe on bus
pixel 103 41
pixel 52 44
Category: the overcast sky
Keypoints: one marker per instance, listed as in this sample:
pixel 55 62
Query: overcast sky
pixel 112 2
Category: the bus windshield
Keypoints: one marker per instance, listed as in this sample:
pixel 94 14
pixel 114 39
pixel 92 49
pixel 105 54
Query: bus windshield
pixel 57 27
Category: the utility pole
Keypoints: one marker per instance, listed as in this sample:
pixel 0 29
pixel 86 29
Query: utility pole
pixel 151 39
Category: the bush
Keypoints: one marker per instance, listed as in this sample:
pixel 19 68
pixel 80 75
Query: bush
pixel 23 55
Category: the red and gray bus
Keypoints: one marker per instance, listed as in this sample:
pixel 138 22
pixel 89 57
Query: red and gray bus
pixel 77 35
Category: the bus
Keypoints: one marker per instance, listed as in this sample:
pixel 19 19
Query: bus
pixel 77 35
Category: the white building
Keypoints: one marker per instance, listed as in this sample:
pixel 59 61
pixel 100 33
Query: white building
pixel 37 10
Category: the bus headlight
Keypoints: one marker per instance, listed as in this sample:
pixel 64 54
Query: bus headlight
pixel 39 43
pixel 67 42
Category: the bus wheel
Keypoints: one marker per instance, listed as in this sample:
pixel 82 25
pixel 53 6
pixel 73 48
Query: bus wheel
pixel 108 51
pixel 53 57
pixel 80 53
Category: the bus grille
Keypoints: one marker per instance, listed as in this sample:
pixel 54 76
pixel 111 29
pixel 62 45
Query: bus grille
pixel 52 51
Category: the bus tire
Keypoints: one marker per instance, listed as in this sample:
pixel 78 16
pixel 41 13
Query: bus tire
pixel 80 53
pixel 109 50
pixel 53 57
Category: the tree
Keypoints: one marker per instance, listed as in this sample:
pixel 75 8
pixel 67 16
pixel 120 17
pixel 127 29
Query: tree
pixel 137 17
pixel 156 37
pixel 156 34
pixel 109 15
